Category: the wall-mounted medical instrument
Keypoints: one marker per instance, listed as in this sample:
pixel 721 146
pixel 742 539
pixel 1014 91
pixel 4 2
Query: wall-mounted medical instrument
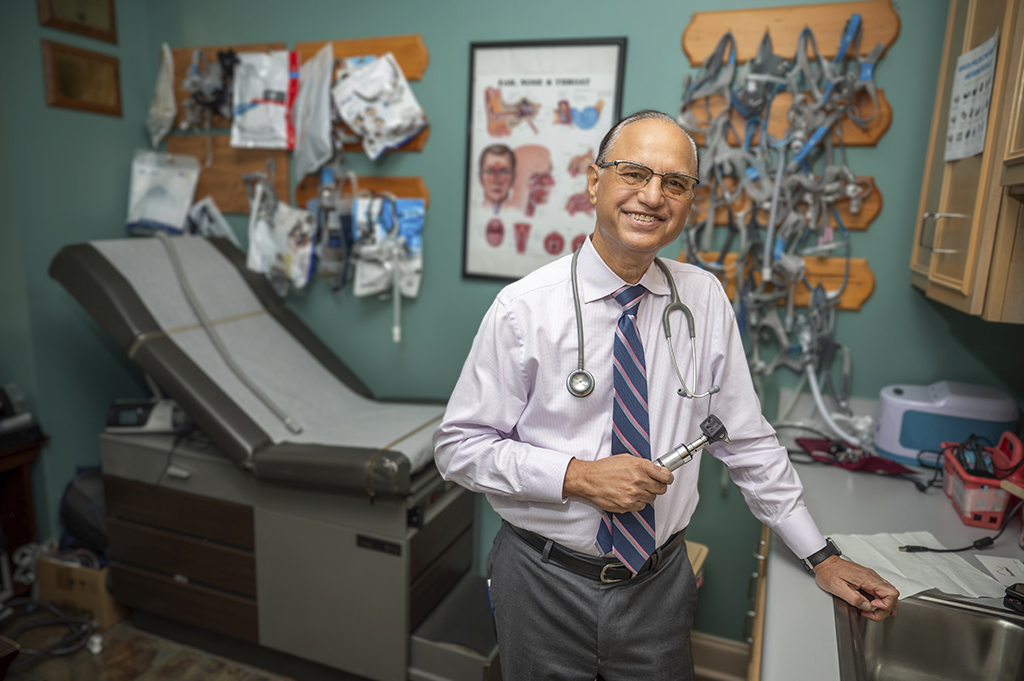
pixel 581 382
pixel 712 431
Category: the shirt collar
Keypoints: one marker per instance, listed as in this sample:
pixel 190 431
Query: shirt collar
pixel 597 280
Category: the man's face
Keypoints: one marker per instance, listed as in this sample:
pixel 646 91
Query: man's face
pixel 634 224
pixel 496 176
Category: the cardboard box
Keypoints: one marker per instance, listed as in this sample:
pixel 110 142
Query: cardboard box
pixel 78 591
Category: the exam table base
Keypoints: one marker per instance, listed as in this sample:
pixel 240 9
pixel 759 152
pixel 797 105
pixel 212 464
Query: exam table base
pixel 328 578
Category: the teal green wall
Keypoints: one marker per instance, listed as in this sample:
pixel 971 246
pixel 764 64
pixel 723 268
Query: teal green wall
pixel 63 179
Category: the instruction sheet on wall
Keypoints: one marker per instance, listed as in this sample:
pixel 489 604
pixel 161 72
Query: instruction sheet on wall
pixel 971 96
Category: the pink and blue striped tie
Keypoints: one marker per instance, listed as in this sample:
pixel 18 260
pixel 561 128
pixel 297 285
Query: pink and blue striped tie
pixel 630 536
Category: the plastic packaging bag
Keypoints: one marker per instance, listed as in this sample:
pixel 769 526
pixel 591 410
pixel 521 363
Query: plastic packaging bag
pixel 374 100
pixel 161 191
pixel 312 113
pixel 389 253
pixel 162 108
pixel 265 87
pixel 205 219
pixel 281 240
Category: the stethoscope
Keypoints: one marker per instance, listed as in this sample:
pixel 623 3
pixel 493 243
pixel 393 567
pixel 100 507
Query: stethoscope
pixel 581 382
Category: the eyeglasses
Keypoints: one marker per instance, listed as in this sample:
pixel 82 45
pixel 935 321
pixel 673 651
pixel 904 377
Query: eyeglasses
pixel 636 176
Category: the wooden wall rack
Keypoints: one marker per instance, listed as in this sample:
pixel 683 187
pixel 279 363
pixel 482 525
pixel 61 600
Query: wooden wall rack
pixel 402 187
pixel 879 24
pixel 826 271
pixel 223 179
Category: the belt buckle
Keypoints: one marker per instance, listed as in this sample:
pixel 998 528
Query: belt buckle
pixel 606 580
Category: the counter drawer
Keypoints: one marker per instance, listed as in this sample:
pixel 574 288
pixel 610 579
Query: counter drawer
pixel 192 604
pixel 199 560
pixel 191 514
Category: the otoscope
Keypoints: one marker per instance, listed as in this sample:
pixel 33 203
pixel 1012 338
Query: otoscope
pixel 713 431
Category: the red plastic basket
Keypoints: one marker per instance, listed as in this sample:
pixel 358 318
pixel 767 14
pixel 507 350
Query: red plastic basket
pixel 980 501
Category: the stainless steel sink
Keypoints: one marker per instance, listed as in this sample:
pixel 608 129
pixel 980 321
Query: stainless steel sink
pixel 933 638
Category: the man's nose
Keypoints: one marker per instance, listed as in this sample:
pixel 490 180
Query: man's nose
pixel 651 193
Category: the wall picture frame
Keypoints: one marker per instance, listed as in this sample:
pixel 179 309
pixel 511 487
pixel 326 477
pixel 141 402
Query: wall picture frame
pixel 91 18
pixel 537 113
pixel 81 79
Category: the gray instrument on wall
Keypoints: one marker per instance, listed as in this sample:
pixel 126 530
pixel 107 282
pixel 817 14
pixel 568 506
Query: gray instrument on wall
pixel 713 431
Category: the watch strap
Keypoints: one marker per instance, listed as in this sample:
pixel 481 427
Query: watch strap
pixel 815 559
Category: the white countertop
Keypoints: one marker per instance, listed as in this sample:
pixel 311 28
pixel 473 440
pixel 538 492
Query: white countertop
pixel 800 632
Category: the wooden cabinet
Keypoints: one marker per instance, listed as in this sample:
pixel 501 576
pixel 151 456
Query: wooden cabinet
pixel 963 253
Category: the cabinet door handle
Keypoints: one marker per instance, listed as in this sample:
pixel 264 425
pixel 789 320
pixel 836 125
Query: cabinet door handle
pixel 752 585
pixel 929 215
pixel 748 621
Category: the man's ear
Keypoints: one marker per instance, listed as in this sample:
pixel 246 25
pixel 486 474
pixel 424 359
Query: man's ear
pixel 593 177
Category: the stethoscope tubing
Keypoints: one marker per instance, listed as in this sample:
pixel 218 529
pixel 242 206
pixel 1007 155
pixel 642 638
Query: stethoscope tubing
pixel 580 382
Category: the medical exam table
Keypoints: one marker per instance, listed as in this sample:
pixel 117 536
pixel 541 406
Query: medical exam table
pixel 308 517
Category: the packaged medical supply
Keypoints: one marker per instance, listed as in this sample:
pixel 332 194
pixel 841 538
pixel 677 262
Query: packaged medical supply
pixel 161 191
pixel 205 219
pixel 374 100
pixel 265 85
pixel 162 108
pixel 312 113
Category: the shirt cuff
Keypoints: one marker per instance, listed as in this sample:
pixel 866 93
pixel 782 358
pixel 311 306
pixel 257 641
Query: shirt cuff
pixel 801 534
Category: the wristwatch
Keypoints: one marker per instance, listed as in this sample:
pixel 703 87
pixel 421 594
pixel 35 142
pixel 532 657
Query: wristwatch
pixel 815 559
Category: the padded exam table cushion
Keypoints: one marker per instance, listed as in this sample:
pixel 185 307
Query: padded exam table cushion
pixel 349 441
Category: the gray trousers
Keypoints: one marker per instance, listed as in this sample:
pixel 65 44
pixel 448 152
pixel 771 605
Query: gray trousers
pixel 555 624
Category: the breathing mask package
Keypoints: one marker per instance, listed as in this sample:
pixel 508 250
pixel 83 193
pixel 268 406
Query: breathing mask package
pixel 162 108
pixel 312 113
pixel 265 86
pixel 374 100
pixel 389 251
pixel 281 240
pixel 205 219
pixel 334 226
pixel 161 192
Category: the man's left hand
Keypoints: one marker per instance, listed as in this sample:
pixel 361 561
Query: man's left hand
pixel 859 586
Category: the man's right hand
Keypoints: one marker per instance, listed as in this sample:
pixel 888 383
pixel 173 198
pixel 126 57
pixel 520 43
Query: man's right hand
pixel 619 483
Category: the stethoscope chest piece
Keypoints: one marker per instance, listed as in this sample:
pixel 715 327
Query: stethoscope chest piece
pixel 580 383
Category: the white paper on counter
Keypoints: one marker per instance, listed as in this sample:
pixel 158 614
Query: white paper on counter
pixel 1007 571
pixel 913 573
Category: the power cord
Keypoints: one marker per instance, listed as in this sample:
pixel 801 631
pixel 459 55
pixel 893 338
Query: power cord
pixel 982 543
pixel 79 632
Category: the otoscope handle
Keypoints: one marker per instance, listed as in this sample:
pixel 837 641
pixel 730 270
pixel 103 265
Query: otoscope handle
pixel 713 431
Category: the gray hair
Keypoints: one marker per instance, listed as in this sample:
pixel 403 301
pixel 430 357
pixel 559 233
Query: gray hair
pixel 647 114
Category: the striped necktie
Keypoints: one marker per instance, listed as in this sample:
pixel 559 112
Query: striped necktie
pixel 629 535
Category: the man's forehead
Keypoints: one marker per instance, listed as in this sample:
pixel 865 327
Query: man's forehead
pixel 497 155
pixel 655 143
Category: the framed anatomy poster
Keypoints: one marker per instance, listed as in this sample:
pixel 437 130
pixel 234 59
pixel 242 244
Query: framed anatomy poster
pixel 537 113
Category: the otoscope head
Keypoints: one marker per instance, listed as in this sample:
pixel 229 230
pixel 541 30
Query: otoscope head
pixel 714 430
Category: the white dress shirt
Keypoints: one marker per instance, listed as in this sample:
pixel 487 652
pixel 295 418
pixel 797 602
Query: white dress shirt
pixel 512 427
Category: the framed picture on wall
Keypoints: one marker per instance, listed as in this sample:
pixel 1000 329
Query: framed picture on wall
pixel 92 18
pixel 537 113
pixel 81 79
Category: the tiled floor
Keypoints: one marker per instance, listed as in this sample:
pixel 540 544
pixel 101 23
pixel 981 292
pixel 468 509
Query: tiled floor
pixel 131 655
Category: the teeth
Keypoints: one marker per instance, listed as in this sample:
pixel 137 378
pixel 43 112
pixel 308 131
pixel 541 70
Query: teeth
pixel 641 217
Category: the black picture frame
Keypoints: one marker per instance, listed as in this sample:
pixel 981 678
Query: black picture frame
pixel 537 113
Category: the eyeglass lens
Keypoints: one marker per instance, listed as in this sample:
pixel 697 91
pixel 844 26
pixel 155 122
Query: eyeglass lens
pixel 636 175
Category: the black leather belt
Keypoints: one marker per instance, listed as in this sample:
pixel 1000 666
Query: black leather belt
pixel 607 570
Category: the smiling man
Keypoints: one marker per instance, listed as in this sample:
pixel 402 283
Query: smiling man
pixel 589 573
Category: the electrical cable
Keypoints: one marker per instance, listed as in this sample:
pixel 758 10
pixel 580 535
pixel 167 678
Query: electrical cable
pixel 982 543
pixel 79 632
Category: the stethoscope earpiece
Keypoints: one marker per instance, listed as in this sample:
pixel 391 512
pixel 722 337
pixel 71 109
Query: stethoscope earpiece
pixel 580 382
